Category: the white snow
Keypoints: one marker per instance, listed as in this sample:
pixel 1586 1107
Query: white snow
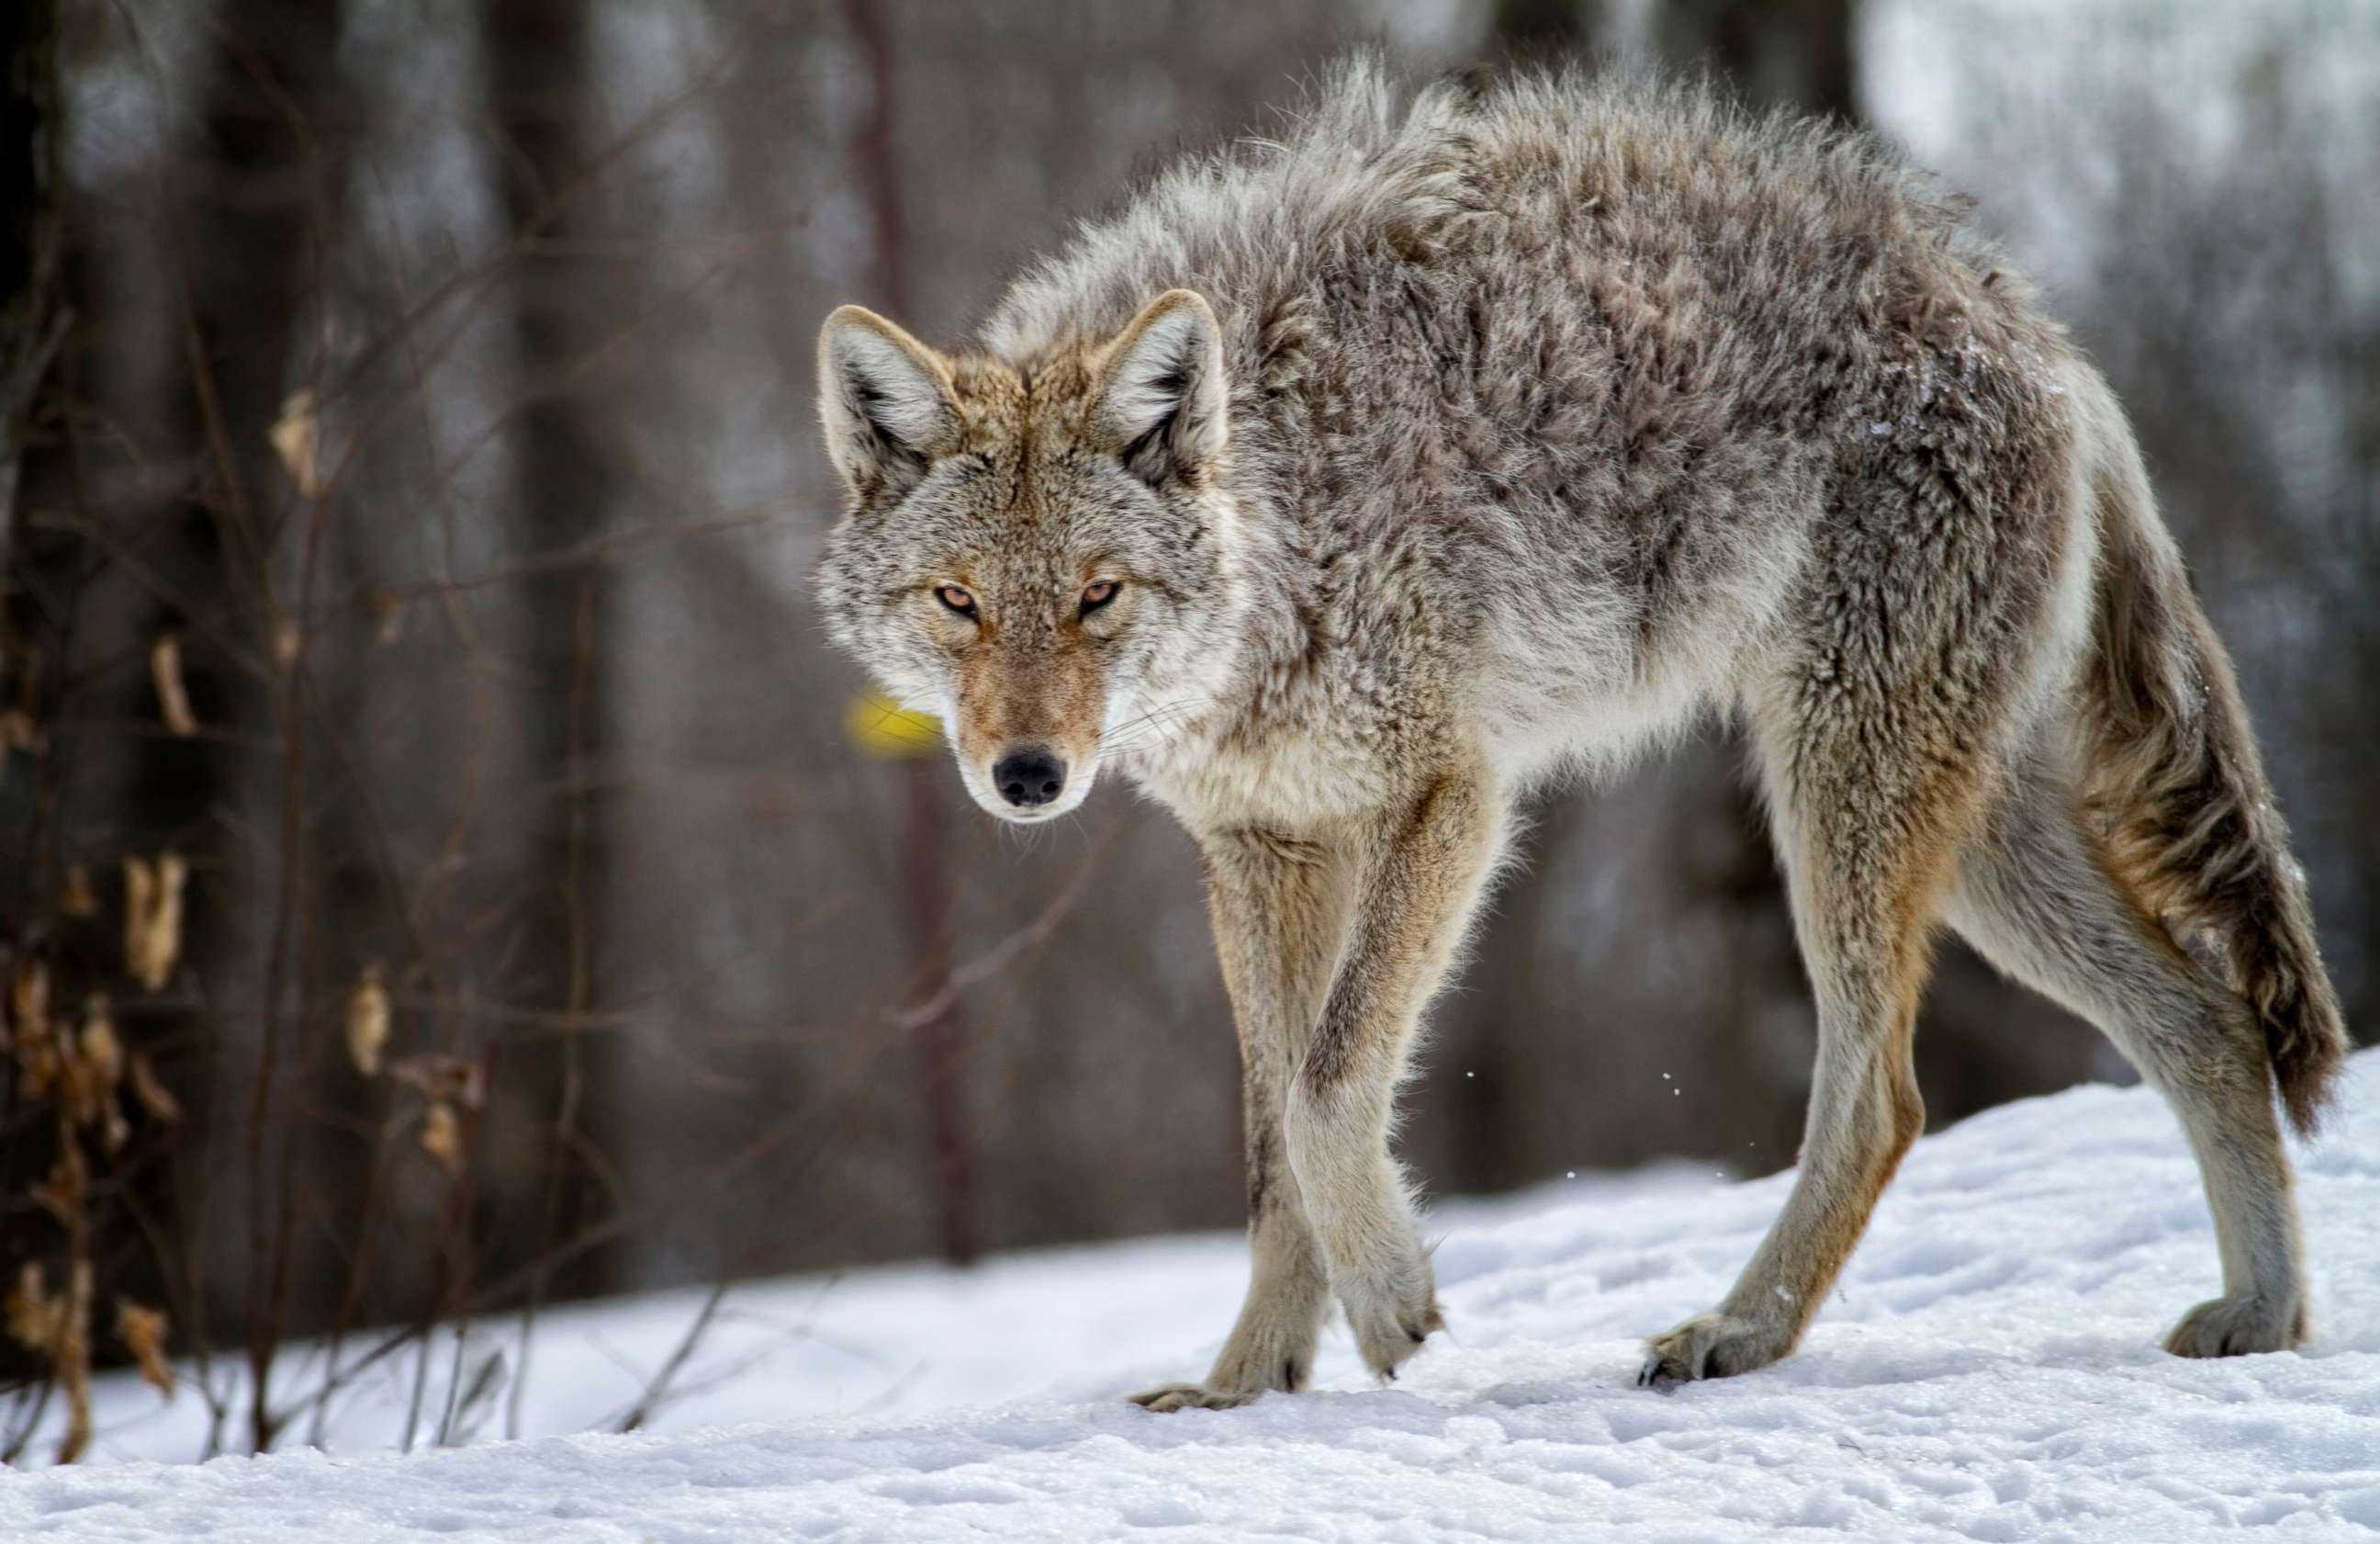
pixel 1987 1370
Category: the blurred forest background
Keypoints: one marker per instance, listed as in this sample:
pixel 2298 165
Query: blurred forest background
pixel 436 876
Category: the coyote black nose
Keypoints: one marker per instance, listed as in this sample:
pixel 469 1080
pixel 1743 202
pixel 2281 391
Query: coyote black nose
pixel 1025 778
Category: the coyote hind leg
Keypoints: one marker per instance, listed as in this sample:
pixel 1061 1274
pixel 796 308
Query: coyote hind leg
pixel 1867 832
pixel 2036 896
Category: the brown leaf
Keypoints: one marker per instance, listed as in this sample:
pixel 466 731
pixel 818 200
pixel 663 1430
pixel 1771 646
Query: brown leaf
pixel 172 696
pixel 28 1005
pixel 33 1316
pixel 70 1182
pixel 142 1330
pixel 101 1052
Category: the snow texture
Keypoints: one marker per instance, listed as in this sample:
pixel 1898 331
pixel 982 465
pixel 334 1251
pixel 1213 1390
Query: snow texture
pixel 1987 1370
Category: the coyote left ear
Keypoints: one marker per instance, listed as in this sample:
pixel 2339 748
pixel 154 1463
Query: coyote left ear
pixel 1162 395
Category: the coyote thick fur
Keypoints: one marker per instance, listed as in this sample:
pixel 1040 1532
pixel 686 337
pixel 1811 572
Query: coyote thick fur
pixel 1350 485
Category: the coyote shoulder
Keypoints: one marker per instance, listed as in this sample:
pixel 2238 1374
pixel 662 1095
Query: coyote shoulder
pixel 1347 487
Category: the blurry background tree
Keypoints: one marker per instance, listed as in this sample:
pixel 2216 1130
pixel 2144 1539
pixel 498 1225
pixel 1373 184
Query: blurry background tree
pixel 418 484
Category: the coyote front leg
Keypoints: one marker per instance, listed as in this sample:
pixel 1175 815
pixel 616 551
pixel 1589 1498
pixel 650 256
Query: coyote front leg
pixel 1419 872
pixel 1281 909
pixel 1330 945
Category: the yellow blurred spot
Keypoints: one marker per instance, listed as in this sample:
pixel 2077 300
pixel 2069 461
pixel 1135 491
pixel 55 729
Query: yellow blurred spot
pixel 880 726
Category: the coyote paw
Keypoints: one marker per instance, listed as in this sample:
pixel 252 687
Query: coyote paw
pixel 1392 1309
pixel 2236 1326
pixel 1167 1397
pixel 1241 1374
pixel 1710 1345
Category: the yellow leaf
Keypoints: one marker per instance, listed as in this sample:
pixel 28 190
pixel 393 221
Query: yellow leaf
pixel 294 438
pixel 367 1022
pixel 442 1136
pixel 882 728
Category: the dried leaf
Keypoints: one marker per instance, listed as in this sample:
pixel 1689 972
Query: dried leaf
pixel 29 1002
pixel 19 732
pixel 154 1097
pixel 142 1332
pixel 28 1023
pixel 32 1315
pixel 62 1194
pixel 90 1067
pixel 367 1022
pixel 102 1070
pixel 295 437
pixel 172 696
pixel 442 1136
pixel 101 1052
pixel 152 917
pixel 78 899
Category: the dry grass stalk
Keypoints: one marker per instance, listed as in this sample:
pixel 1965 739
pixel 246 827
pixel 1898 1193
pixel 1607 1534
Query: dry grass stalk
pixel 173 694
pixel 59 1329
pixel 367 1022
pixel 153 1095
pixel 152 917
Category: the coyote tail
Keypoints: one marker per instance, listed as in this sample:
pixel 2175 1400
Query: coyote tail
pixel 2173 779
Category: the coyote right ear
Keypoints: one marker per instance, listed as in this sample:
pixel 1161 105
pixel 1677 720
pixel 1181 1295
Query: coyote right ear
pixel 885 400
pixel 1162 397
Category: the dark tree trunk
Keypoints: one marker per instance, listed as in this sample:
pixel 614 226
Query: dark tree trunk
pixel 254 211
pixel 31 234
pixel 1785 53
pixel 542 96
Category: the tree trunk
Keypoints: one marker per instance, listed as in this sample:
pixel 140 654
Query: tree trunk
pixel 1778 53
pixel 31 234
pixel 542 88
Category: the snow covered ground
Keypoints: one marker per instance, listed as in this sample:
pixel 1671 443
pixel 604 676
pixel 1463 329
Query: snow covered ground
pixel 1987 1370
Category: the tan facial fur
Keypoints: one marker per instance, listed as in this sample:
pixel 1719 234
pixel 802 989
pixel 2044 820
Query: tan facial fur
pixel 1028 544
pixel 1024 682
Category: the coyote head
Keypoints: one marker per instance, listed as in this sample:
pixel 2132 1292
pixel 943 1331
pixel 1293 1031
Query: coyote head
pixel 1039 550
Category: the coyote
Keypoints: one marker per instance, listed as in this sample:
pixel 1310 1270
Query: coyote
pixel 1349 486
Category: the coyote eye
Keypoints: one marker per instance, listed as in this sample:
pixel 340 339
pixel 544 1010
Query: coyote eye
pixel 957 599
pixel 1095 596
